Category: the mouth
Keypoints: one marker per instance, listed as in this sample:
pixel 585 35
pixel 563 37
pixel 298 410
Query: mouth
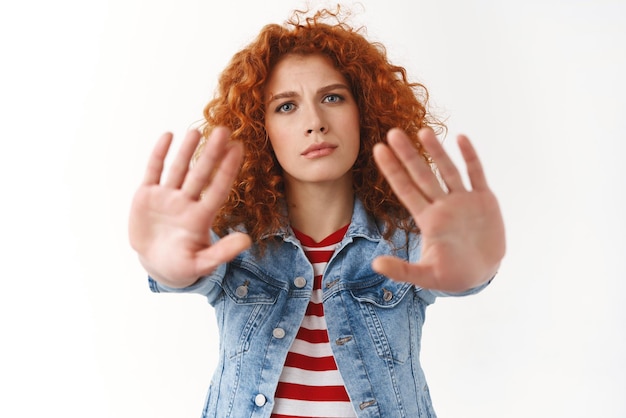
pixel 318 150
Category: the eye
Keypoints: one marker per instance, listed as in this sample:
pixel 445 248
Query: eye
pixel 332 98
pixel 285 108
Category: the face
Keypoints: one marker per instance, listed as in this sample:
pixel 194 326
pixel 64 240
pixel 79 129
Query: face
pixel 312 120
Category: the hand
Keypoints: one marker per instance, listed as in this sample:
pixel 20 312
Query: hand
pixel 462 230
pixel 170 223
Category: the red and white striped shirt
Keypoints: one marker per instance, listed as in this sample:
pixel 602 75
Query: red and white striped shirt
pixel 310 384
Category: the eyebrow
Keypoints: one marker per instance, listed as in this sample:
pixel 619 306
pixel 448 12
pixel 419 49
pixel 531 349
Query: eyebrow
pixel 322 90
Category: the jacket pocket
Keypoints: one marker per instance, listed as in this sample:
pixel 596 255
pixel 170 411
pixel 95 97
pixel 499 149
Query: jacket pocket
pixel 386 310
pixel 248 303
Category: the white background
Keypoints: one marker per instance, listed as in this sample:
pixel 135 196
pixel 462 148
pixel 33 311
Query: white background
pixel 86 87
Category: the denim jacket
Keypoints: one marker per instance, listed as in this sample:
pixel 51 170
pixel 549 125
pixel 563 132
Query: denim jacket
pixel 374 323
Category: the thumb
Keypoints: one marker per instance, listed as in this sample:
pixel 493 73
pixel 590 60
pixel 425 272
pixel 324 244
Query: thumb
pixel 403 271
pixel 222 251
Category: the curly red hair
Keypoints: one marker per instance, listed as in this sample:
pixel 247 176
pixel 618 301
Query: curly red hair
pixel 384 96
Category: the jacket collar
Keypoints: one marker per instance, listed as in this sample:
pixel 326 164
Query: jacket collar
pixel 362 225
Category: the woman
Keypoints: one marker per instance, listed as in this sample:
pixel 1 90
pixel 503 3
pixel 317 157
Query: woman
pixel 314 223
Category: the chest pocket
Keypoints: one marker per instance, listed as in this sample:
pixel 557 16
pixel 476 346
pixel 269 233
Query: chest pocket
pixel 387 311
pixel 247 286
pixel 250 298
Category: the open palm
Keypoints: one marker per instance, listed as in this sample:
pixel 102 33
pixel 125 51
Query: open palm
pixel 462 230
pixel 170 222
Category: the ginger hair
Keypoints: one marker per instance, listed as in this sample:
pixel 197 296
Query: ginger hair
pixel 385 99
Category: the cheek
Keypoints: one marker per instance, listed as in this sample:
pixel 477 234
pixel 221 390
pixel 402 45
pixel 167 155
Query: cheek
pixel 276 133
pixel 279 147
pixel 272 136
pixel 356 129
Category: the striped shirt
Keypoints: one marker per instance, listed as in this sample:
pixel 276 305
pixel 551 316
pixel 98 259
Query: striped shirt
pixel 310 384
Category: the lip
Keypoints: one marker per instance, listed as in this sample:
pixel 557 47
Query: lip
pixel 318 150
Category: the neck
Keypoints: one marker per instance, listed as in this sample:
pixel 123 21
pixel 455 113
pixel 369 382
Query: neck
pixel 319 210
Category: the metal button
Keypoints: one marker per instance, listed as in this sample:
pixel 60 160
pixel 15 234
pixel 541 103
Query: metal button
pixel 331 284
pixel 299 282
pixel 343 340
pixel 241 291
pixel 366 404
pixel 278 333
pixel 387 295
pixel 259 400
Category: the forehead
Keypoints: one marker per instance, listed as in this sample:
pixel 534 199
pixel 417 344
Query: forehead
pixel 293 70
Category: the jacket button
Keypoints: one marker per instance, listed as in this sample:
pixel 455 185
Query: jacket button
pixel 343 340
pixel 387 295
pixel 259 400
pixel 241 291
pixel 278 333
pixel 299 282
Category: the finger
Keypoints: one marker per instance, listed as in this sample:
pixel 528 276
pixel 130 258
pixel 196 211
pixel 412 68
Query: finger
pixel 402 271
pixel 180 165
pixel 199 176
pixel 223 177
pixel 475 170
pixel 399 179
pixel 420 274
pixel 419 170
pixel 157 160
pixel 218 157
pixel 448 171
pixel 222 251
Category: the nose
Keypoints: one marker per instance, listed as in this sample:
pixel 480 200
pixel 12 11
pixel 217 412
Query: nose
pixel 321 129
pixel 315 122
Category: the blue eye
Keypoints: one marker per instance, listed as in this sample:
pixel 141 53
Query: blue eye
pixel 333 98
pixel 285 108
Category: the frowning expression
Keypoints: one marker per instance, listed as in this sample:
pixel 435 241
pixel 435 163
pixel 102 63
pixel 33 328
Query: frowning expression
pixel 312 120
